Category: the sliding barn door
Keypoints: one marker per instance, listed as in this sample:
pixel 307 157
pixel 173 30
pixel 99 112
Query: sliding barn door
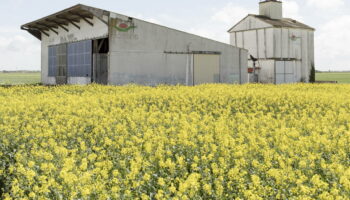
pixel 206 68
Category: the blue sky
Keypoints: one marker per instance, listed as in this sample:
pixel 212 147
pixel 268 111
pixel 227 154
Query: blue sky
pixel 209 18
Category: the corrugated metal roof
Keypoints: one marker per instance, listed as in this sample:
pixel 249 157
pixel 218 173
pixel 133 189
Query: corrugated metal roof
pixel 284 22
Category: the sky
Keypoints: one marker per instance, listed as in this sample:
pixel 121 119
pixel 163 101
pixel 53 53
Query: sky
pixel 209 18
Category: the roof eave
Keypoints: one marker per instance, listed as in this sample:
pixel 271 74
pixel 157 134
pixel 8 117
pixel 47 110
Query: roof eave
pixel 62 19
pixel 230 30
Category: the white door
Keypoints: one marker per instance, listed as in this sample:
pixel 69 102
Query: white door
pixel 280 72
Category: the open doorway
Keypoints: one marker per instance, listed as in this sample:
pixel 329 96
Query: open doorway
pixel 100 61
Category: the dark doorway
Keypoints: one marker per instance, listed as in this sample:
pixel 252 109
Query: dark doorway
pixel 100 61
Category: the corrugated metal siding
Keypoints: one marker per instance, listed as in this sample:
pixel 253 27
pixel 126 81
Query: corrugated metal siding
pixel 80 59
pixel 143 55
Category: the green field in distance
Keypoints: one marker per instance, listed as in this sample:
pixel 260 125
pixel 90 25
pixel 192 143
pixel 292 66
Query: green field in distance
pixel 19 78
pixel 341 77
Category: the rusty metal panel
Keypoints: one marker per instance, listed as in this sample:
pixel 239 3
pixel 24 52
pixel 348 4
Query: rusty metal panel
pixel 206 69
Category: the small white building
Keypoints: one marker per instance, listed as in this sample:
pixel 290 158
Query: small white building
pixel 82 44
pixel 283 47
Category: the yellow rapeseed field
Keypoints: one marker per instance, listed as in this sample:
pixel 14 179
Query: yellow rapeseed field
pixel 204 142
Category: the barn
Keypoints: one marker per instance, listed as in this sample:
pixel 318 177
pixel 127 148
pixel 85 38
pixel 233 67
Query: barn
pixel 83 44
pixel 281 50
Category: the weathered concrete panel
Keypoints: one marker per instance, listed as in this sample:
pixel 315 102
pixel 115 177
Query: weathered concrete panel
pixel 289 67
pixel 233 39
pixel 295 44
pixel 243 69
pixel 261 43
pixel 277 43
pixel 267 72
pixel 79 80
pixel 250 42
pixel 141 55
pixel 271 9
pixel 285 42
pixel 306 64
pixel 298 71
pixel 239 37
pixel 270 45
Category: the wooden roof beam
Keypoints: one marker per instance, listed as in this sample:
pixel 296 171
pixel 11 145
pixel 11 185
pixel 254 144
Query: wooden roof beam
pixel 83 17
pixel 49 27
pixel 58 24
pixel 69 21
pixel 38 29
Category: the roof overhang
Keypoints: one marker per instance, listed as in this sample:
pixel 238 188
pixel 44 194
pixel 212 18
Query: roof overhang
pixel 282 23
pixel 61 19
pixel 230 30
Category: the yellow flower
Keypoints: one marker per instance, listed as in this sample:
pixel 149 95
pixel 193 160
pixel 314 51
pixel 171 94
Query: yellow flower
pixel 161 182
pixel 210 141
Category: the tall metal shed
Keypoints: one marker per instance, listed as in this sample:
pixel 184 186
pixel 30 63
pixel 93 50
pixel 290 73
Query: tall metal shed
pixel 283 47
pixel 83 44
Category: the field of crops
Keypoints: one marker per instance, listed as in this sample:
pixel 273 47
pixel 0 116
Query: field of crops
pixel 204 142
pixel 18 78
pixel 340 77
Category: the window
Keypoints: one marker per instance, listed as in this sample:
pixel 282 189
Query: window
pixel 80 59
pixel 52 61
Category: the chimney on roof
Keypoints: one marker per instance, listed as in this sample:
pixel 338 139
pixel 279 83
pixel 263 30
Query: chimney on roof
pixel 271 9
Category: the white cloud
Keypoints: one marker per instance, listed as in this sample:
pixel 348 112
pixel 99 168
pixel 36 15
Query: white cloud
pixel 219 34
pixel 326 4
pixel 332 44
pixel 231 14
pixel 291 9
pixel 18 50
pixel 221 20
